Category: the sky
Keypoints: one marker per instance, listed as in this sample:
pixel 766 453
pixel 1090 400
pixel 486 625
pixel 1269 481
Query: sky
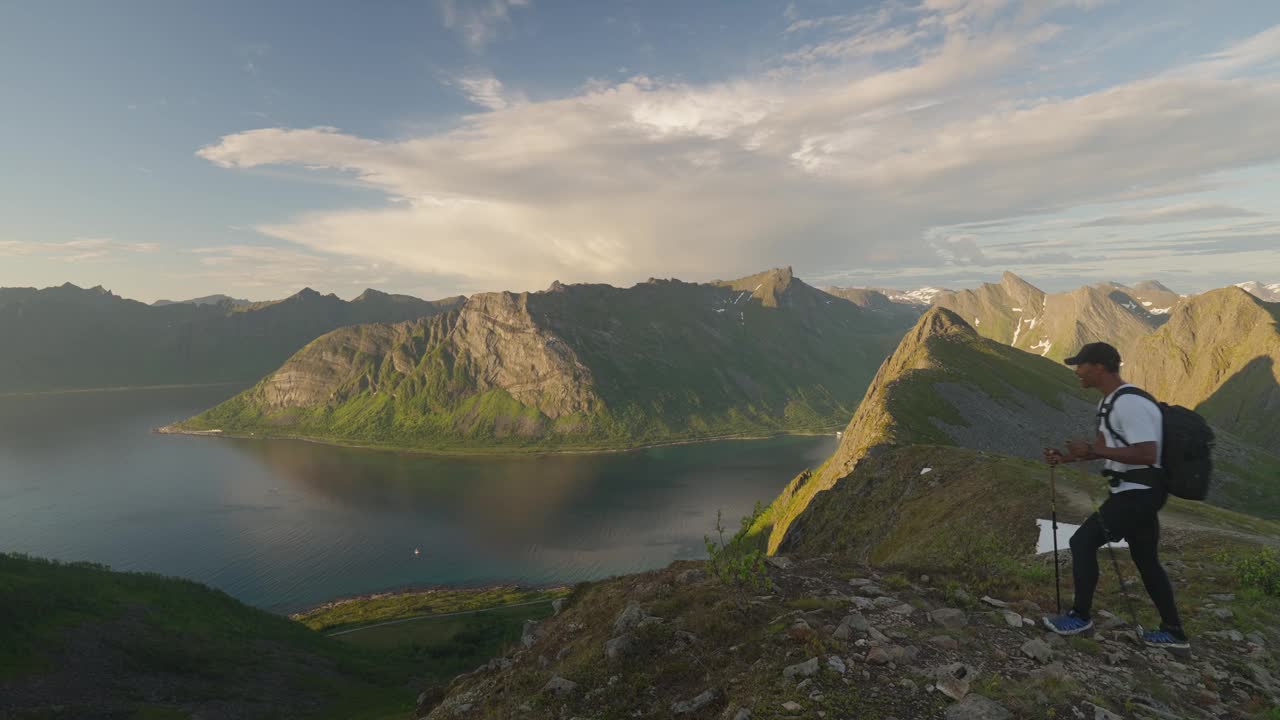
pixel 173 148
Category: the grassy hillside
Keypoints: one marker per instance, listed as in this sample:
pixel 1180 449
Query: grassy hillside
pixel 1220 354
pixel 946 385
pixel 81 641
pixel 70 338
pixel 582 366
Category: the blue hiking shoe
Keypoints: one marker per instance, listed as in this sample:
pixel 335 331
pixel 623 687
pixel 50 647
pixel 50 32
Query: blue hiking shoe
pixel 1166 639
pixel 1069 624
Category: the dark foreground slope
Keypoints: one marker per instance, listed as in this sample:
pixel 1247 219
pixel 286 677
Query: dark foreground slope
pixel 80 641
pixel 581 366
pixel 66 337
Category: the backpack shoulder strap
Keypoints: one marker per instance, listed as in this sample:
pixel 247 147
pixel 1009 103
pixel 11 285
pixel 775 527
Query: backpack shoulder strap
pixel 1105 411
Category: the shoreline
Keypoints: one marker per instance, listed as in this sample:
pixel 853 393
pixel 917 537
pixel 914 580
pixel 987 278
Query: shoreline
pixel 424 590
pixel 122 388
pixel 480 452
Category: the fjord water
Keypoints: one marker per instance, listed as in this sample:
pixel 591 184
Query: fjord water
pixel 287 524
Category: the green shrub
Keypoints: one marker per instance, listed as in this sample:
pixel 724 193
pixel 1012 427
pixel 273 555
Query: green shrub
pixel 740 561
pixel 1260 570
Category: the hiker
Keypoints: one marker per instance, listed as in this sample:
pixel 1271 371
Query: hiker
pixel 1129 438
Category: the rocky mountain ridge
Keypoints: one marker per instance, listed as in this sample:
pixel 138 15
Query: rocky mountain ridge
pixel 1054 325
pixel 580 366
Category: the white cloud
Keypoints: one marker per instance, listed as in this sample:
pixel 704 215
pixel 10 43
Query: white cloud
pixel 1256 52
pixel 479 21
pixel 75 250
pixel 817 164
pixel 1172 214
pixel 487 91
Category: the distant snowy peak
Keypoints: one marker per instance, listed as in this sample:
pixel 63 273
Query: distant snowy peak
pixel 1269 293
pixel 919 296
pixel 925 295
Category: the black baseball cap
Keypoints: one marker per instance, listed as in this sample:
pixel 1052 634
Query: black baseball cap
pixel 1096 352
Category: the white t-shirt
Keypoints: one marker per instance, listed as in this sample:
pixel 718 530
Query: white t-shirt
pixel 1138 420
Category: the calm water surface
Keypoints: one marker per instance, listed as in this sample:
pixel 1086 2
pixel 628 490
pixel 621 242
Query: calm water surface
pixel 286 524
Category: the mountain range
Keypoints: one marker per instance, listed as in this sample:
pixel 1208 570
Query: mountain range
pixel 947 385
pixel 206 300
pixel 1269 293
pixel 1055 325
pixel 580 366
pixel 67 337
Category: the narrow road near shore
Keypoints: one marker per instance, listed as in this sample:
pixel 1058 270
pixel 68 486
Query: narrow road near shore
pixel 429 617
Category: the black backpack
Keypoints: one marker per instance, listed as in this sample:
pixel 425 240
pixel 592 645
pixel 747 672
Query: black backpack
pixel 1187 449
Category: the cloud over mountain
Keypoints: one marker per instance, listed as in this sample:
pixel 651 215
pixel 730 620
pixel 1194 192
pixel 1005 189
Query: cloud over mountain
pixel 857 149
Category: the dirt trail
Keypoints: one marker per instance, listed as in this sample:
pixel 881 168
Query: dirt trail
pixel 1173 518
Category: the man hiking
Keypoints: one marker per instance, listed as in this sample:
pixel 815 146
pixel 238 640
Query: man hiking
pixel 1129 438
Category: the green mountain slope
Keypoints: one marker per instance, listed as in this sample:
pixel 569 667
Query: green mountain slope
pixel 80 641
pixel 69 338
pixel 1016 313
pixel 1220 354
pixel 579 366
pixel 945 384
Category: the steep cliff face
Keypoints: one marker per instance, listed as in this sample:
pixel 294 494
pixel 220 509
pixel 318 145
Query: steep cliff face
pixel 505 347
pixel 581 365
pixel 492 343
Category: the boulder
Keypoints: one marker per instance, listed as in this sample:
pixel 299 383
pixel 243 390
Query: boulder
pixel 862 603
pixel 977 707
pixel 529 636
pixel 560 686
pixel 949 618
pixel 945 642
pixel 691 706
pixel 619 646
pixel 1038 650
pixel 954 680
pixel 628 620
pixel 804 669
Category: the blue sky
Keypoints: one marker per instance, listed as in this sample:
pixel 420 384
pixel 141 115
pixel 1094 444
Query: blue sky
pixel 175 149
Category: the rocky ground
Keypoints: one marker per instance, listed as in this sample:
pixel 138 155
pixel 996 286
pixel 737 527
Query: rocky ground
pixel 832 641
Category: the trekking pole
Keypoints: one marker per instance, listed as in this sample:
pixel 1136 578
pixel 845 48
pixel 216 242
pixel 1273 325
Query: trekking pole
pixel 1053 514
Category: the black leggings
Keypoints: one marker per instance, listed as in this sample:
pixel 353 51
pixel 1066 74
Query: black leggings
pixel 1134 516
